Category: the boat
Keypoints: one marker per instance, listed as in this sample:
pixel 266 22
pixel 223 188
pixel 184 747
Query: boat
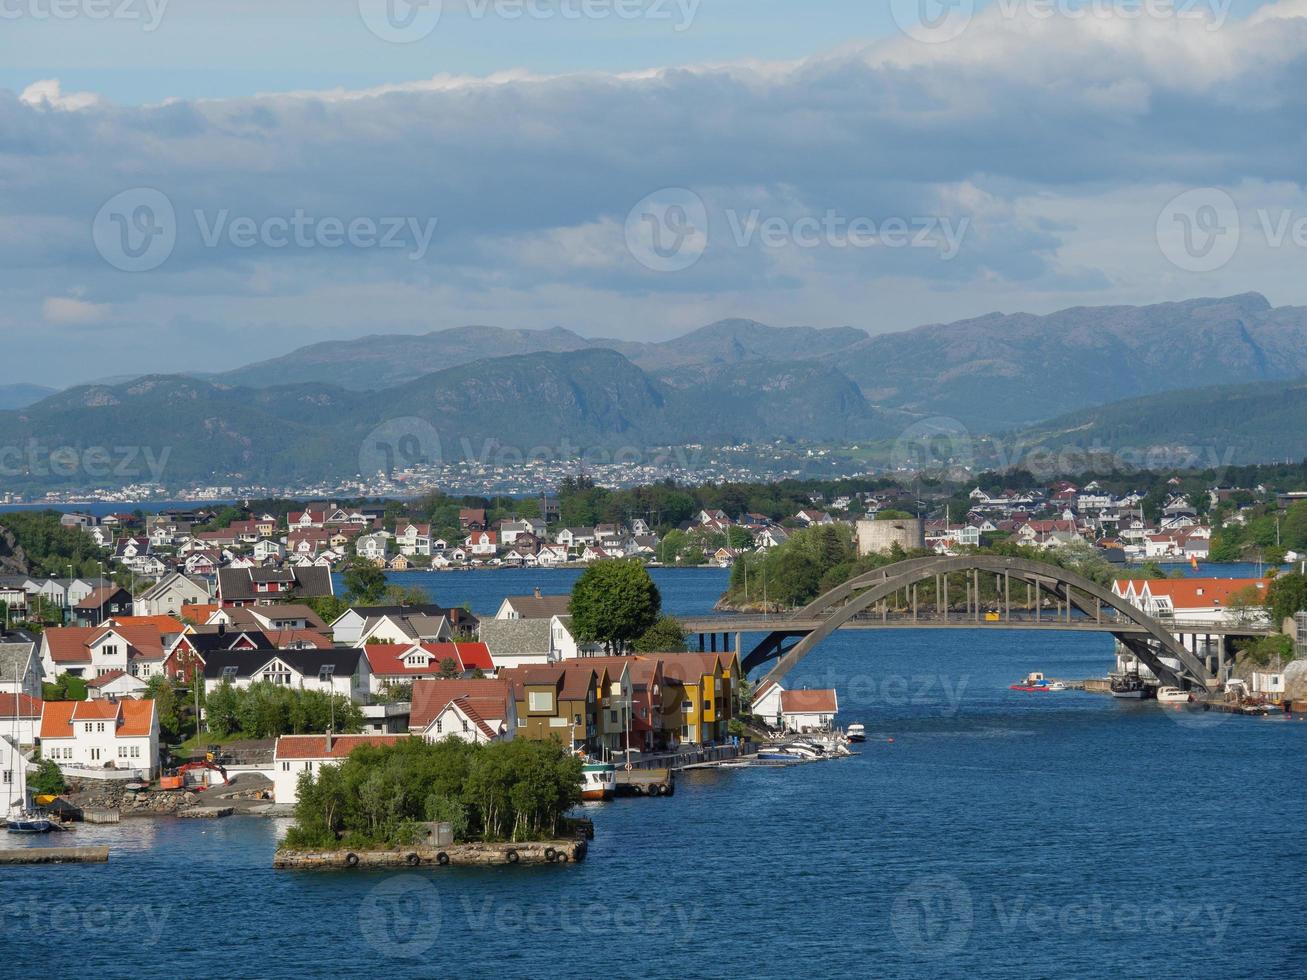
pixel 1034 683
pixel 598 781
pixel 856 733
pixel 1128 686
pixel 1173 695
pixel 1057 686
pixel 29 823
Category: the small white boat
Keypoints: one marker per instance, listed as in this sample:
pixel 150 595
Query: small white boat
pixel 1057 686
pixel 598 780
pixel 1173 695
pixel 856 732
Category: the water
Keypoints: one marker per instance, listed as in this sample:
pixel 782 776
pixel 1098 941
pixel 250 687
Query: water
pixel 999 834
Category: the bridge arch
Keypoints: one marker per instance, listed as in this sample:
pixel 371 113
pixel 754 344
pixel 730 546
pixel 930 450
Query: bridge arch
pixel 1147 638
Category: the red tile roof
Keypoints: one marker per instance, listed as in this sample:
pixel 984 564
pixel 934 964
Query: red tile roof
pixel 386 659
pixel 315 746
pixel 1195 593
pixel 479 699
pixel 809 702
pixel 133 718
pixel 25 705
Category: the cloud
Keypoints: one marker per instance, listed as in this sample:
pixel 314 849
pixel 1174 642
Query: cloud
pixel 67 310
pixel 1058 140
pixel 47 94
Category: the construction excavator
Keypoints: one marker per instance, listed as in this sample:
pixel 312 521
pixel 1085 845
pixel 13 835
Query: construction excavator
pixel 204 769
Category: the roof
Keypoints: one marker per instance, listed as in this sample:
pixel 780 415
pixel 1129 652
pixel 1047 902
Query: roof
pixel 25 705
pixel 315 746
pixel 809 702
pixel 15 658
pixel 164 624
pixel 70 644
pixel 343 661
pixel 98 597
pixel 571 678
pixel 257 616
pixel 387 659
pixel 134 719
pixel 539 606
pixel 1194 593
pixel 308 580
pixel 515 637
pixel 480 700
pixel 416 626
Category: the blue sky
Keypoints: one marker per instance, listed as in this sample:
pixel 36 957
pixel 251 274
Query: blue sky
pixel 291 176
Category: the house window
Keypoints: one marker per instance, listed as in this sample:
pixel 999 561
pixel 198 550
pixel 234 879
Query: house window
pixel 440 726
pixel 521 722
pixel 465 726
pixel 9 776
pixel 687 707
pixel 95 755
pixel 540 700
pixel 285 767
pixel 685 731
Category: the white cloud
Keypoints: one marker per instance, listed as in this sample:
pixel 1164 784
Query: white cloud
pixel 47 94
pixel 1060 140
pixel 68 310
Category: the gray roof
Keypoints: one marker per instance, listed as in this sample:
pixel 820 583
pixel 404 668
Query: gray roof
pixel 515 637
pixel 415 626
pixel 14 658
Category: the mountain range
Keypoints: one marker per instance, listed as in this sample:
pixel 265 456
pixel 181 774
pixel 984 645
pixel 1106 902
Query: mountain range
pixel 1140 374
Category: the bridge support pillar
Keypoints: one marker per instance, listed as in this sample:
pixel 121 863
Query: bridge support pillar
pixel 712 639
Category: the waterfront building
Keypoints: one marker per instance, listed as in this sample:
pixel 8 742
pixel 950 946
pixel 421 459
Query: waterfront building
pixel 477 711
pixel 298 754
pixel 87 738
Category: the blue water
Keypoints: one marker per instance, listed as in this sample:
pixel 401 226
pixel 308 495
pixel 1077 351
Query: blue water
pixel 998 834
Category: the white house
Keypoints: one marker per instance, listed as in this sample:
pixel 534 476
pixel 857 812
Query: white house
pixel 809 711
pixel 334 671
pixel 297 754
pixel 413 539
pixel 477 711
pixel 91 735
pixel 170 594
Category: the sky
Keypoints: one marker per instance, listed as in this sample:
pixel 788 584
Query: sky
pixel 193 185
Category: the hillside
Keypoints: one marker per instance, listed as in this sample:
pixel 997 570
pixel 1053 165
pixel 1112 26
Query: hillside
pixel 1232 424
pixel 1002 371
pixel 22 395
pixel 203 431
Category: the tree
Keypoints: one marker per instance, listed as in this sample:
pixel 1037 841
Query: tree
pixel 163 692
pixel 65 687
pixel 614 602
pixel 1287 595
pixel 46 779
pixel 665 636
pixel 365 583
pixel 448 668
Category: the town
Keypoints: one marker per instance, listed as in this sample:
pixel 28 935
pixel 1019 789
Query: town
pixel 219 627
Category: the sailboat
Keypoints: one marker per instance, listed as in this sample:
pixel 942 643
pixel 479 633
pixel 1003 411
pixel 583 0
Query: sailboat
pixel 20 819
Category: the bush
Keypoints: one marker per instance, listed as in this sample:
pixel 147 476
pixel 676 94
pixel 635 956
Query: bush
pixel 266 710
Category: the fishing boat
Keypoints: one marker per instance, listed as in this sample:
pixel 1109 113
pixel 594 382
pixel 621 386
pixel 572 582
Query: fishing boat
pixel 1129 687
pixel 856 732
pixel 598 781
pixel 1173 695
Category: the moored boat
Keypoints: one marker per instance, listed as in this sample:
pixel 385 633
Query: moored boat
pixel 29 824
pixel 598 781
pixel 1129 687
pixel 856 732
pixel 1034 683
pixel 1173 695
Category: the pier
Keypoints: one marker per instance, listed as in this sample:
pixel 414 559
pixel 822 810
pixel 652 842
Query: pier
pixel 54 855
pixel 452 855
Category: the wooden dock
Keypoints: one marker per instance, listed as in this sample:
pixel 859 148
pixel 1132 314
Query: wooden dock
pixel 54 855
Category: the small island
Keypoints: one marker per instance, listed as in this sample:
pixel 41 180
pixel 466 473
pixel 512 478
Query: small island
pixel 418 803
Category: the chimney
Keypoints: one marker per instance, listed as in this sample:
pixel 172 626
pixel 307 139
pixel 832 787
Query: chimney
pixel 329 733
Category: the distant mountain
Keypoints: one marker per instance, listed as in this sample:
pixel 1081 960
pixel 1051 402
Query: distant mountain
pixel 384 360
pixel 1000 371
pixel 22 395
pixel 1225 425
pixel 380 361
pixel 533 403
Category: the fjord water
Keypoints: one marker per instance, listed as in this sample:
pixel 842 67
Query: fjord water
pixel 999 834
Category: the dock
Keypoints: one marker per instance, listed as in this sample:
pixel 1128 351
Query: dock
pixel 453 855
pixel 645 782
pixel 54 855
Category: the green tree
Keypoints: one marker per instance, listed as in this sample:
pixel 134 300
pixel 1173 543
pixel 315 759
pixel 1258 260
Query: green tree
pixel 1287 595
pixel 448 668
pixel 46 779
pixel 168 705
pixel 667 635
pixel 614 602
pixel 365 583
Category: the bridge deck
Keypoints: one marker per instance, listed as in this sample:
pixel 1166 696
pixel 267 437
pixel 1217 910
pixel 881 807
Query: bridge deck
pixel 781 623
